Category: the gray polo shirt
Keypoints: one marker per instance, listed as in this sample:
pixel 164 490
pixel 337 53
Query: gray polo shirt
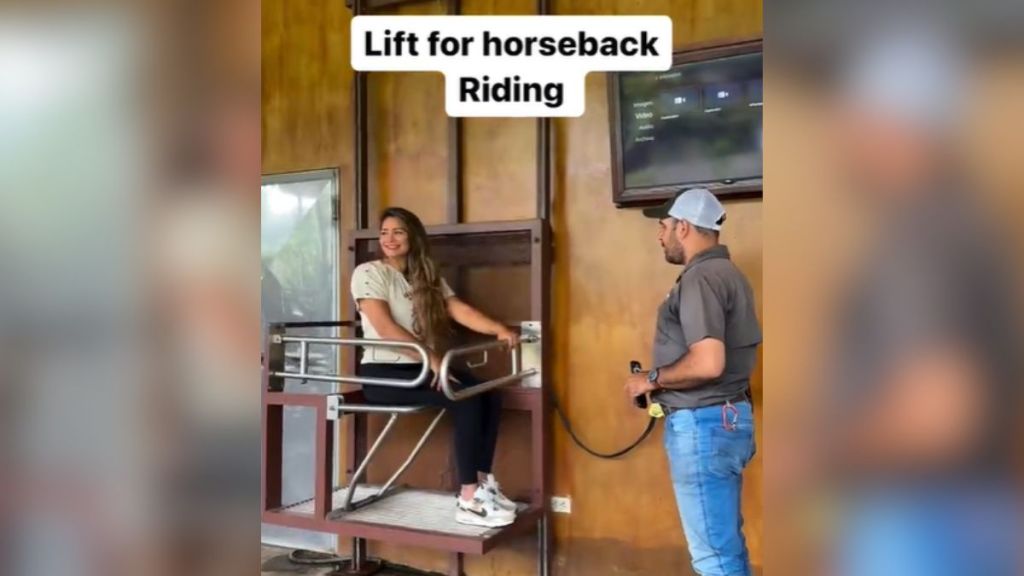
pixel 711 299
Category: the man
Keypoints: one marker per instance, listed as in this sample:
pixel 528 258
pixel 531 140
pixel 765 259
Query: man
pixel 705 347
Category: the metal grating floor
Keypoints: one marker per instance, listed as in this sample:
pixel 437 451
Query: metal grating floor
pixel 408 508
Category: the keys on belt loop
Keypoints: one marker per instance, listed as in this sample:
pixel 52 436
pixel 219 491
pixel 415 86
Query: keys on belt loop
pixel 730 416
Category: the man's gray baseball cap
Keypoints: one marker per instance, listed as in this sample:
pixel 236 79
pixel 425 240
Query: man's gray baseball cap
pixel 697 206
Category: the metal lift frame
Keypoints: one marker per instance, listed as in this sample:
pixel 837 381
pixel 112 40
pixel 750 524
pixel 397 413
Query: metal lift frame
pixel 532 400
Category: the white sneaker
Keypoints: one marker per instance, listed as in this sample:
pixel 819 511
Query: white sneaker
pixel 492 491
pixel 480 512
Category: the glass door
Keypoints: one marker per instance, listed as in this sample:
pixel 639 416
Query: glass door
pixel 299 280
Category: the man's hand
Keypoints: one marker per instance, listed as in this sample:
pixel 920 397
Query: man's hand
pixel 637 385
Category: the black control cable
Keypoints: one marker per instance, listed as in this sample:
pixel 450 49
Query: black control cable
pixel 640 401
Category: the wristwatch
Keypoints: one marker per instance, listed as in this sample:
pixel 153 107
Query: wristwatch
pixel 652 377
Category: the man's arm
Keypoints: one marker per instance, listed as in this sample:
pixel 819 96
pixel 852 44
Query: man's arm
pixel 705 361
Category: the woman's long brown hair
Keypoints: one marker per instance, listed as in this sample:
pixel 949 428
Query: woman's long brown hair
pixel 431 323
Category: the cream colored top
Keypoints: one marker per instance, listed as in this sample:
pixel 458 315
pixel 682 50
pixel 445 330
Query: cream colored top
pixel 377 281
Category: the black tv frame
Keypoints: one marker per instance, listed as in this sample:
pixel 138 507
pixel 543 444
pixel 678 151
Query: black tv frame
pixel 646 195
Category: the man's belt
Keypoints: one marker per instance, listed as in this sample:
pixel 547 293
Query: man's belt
pixel 741 397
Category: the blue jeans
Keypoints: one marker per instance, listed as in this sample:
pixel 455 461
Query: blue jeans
pixel 920 529
pixel 707 459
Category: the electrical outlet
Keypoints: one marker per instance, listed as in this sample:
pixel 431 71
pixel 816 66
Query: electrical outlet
pixel 561 504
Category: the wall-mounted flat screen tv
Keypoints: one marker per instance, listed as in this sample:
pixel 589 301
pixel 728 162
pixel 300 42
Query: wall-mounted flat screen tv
pixel 697 124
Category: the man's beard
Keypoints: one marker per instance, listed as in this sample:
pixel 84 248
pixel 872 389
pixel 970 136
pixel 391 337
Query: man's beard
pixel 674 255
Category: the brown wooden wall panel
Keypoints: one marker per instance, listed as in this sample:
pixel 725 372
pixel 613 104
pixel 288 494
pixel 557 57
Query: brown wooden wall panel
pixel 408 135
pixel 609 274
pixel 408 131
pixel 500 171
pixel 306 86
pixel 501 292
pixel 498 7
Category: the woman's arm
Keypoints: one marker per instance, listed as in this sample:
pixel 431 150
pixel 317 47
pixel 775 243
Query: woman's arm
pixel 477 321
pixel 378 313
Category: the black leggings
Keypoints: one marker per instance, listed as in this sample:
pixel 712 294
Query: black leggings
pixel 476 418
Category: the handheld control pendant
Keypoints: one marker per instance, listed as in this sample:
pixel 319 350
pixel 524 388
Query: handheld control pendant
pixel 654 410
pixel 639 401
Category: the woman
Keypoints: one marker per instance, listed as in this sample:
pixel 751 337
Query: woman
pixel 403 297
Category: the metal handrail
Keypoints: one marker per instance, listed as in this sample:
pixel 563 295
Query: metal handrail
pixel 337 407
pixel 456 395
pixel 374 409
pixel 304 342
pixel 326 324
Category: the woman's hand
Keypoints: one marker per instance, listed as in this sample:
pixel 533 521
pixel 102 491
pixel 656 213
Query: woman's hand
pixel 435 368
pixel 508 336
